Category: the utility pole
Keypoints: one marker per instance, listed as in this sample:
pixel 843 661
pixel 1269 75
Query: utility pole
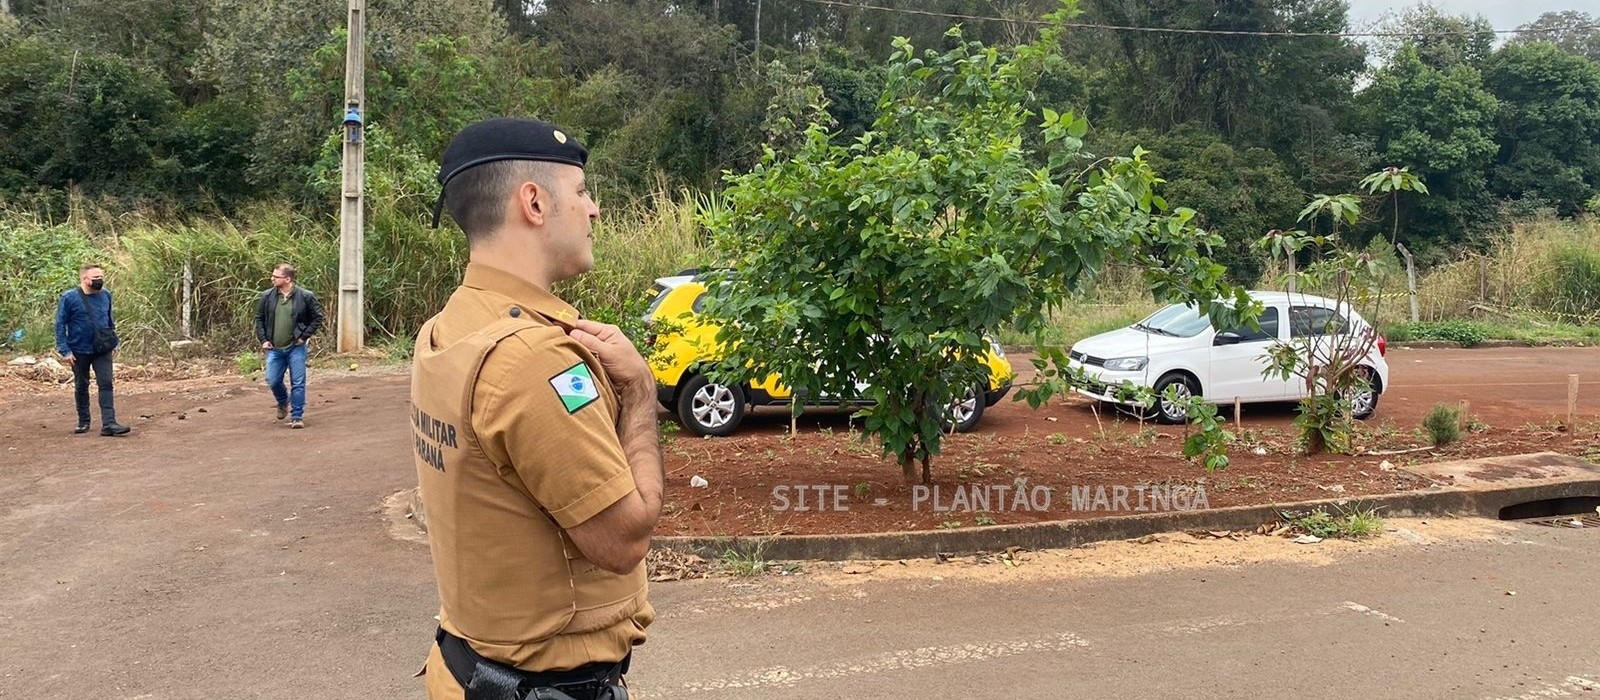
pixel 352 266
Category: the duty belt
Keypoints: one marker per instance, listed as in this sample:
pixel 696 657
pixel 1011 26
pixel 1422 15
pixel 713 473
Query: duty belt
pixel 483 679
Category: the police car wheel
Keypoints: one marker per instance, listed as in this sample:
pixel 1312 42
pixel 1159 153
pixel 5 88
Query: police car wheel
pixel 966 411
pixel 709 408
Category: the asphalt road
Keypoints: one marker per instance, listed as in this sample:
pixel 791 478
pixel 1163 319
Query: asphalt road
pixel 1435 620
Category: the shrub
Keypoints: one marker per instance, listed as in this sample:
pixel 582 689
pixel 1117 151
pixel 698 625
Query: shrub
pixel 249 362
pixel 1464 333
pixel 1350 523
pixel 1443 424
pixel 37 264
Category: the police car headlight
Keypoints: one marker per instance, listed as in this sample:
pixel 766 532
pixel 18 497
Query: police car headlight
pixel 1127 364
pixel 996 349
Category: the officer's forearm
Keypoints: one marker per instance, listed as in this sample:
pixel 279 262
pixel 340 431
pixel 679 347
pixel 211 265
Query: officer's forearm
pixel 642 444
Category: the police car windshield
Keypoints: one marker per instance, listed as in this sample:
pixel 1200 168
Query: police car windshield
pixel 1178 321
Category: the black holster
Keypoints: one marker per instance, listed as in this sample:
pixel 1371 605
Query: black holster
pixel 483 679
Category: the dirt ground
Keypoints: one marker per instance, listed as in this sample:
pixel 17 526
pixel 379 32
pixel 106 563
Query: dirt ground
pixel 1517 397
pixel 757 478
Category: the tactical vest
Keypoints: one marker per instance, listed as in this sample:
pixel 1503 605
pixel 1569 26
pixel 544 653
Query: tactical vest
pixel 509 577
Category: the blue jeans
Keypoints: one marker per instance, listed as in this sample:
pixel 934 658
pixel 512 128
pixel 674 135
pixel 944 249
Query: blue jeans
pixel 292 358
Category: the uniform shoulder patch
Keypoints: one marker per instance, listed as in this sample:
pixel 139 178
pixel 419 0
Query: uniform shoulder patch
pixel 576 387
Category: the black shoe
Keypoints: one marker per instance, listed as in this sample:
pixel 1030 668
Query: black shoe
pixel 83 427
pixel 112 429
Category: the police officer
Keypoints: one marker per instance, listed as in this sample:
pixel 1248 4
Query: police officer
pixel 535 437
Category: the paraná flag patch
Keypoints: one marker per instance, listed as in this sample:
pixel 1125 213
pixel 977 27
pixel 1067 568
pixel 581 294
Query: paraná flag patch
pixel 576 387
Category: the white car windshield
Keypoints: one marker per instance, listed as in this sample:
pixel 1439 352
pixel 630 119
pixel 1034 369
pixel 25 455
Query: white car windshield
pixel 1176 321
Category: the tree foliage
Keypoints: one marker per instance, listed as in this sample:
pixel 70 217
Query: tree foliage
pixel 202 105
pixel 885 259
pixel 1442 123
pixel 1548 125
pixel 1574 32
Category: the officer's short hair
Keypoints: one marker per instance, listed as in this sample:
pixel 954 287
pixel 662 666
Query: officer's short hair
pixel 476 198
pixel 286 270
pixel 89 266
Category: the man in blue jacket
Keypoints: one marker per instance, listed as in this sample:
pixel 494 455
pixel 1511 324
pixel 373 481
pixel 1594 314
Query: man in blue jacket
pixel 86 338
pixel 286 317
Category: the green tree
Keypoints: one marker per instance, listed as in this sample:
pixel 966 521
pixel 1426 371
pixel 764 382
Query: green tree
pixel 1265 91
pixel 81 118
pixel 1238 193
pixel 1440 40
pixel 888 258
pixel 687 107
pixel 1574 32
pixel 1548 125
pixel 1441 120
pixel 164 36
pixel 284 59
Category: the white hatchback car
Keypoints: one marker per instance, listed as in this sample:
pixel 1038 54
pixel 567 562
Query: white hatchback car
pixel 1178 346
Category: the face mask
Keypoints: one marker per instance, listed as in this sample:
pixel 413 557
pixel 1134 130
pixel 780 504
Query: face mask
pixel 97 285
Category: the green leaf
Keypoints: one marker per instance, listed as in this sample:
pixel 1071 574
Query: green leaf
pixel 1079 128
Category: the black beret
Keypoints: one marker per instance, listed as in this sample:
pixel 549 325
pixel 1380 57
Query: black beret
pixel 506 139
pixel 509 139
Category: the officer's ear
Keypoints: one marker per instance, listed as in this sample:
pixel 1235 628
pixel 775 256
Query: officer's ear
pixel 533 202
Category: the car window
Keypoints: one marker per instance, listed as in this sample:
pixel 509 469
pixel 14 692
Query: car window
pixel 1177 320
pixel 1269 328
pixel 1306 321
pixel 699 302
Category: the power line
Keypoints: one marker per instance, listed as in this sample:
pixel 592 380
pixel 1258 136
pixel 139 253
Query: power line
pixel 1172 30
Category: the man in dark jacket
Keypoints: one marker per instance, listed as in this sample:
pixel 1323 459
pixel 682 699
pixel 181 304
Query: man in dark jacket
pixel 86 339
pixel 286 317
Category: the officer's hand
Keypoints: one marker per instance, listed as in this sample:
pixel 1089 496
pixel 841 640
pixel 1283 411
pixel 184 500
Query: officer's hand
pixel 69 359
pixel 266 345
pixel 617 355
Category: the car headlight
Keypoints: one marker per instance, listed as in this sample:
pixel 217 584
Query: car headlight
pixel 1126 364
pixel 998 351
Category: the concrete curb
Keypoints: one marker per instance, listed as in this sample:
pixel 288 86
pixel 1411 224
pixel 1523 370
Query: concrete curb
pixel 1477 501
pixel 1445 501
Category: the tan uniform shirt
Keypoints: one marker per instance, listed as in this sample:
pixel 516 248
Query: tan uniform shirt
pixel 536 453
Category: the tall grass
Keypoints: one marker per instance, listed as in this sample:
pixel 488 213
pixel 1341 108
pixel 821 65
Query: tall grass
pixel 1545 269
pixel 38 261
pixel 1539 274
pixel 411 269
pixel 1115 299
pixel 634 244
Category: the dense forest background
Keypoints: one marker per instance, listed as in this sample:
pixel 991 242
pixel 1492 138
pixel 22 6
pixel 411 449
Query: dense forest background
pixel 189 110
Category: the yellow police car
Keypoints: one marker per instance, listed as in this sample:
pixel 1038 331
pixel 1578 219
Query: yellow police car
pixel 682 343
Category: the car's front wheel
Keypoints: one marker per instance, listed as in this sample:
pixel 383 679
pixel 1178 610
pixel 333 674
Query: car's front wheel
pixel 966 411
pixel 710 408
pixel 1174 412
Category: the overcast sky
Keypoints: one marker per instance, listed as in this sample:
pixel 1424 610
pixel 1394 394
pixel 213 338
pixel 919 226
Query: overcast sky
pixel 1503 14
